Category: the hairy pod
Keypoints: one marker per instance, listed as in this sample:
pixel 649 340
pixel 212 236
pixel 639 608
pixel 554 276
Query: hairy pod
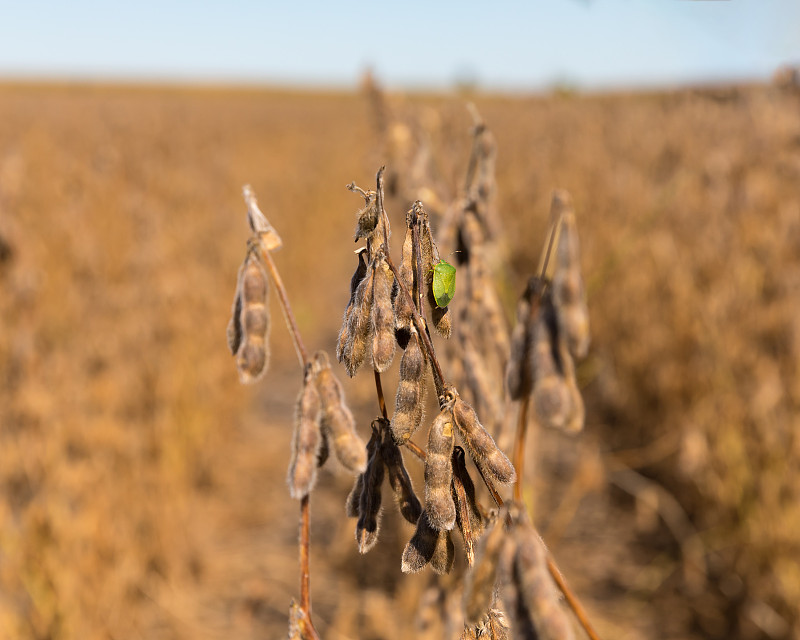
pixel 382 317
pixel 430 257
pixel 537 597
pixel 359 326
pixel 403 307
pixel 355 280
pixel 307 439
pixel 409 404
pixel 353 503
pixel 369 506
pixel 399 479
pixel 569 293
pixel 426 544
pixel 482 580
pixel 439 472
pixel 247 330
pixel 556 399
pixel 336 418
pixel 469 515
pixel 481 446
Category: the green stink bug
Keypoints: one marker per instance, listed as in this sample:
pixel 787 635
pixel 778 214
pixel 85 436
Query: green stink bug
pixel 444 283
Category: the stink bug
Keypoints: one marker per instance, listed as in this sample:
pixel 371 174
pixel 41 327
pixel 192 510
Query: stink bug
pixel 444 283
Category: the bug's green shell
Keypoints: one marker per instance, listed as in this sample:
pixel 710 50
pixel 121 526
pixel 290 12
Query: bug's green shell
pixel 444 283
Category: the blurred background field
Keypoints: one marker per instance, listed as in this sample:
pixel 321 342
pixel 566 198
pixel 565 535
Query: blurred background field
pixel 142 490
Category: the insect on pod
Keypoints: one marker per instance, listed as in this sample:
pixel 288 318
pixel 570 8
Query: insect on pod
pixel 443 283
pixel 430 258
pixel 307 439
pixel 336 418
pixel 247 330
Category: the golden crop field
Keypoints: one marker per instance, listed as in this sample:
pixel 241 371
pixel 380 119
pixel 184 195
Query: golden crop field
pixel 142 488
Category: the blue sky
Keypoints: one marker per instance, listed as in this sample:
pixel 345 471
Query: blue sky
pixel 596 44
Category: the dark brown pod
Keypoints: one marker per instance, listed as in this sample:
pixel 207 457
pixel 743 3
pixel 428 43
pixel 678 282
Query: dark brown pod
pixel 359 275
pixel 353 503
pixel 399 479
pixel 469 515
pixel 369 507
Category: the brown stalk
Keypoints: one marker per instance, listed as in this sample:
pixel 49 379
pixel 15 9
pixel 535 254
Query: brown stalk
pixel 381 398
pixel 305 512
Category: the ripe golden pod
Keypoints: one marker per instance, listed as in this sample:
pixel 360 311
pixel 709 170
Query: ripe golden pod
pixel 439 472
pixel 336 418
pixel 369 506
pixel 358 276
pixel 568 291
pixel 535 590
pixel 248 329
pixel 383 342
pixel 307 439
pixel 409 406
pixel 481 581
pixel 481 446
pixel 399 479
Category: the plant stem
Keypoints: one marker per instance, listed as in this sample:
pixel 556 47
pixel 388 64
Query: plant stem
pixel 286 308
pixel 572 601
pixel 381 399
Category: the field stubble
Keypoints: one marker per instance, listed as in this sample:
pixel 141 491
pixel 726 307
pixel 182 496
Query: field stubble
pixel 143 489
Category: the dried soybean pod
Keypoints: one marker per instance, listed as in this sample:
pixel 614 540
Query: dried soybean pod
pixel 399 479
pixel 307 439
pixel 409 404
pixel 519 376
pixel 368 217
pixel 358 276
pixel 443 554
pixel 268 238
pixel 420 549
pixel 469 517
pixel 369 507
pixel 403 307
pixel 430 258
pixel 382 318
pixel 481 582
pixel 336 418
pixel 551 395
pixel 253 353
pixel 352 506
pixel 235 324
pixel 536 591
pixel 439 472
pixel 481 446
pixel 568 291
pixel 359 325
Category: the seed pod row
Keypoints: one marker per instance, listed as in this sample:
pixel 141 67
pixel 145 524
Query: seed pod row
pixel 336 418
pixel 568 291
pixel 481 446
pixel 249 324
pixel 307 439
pixel 439 472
